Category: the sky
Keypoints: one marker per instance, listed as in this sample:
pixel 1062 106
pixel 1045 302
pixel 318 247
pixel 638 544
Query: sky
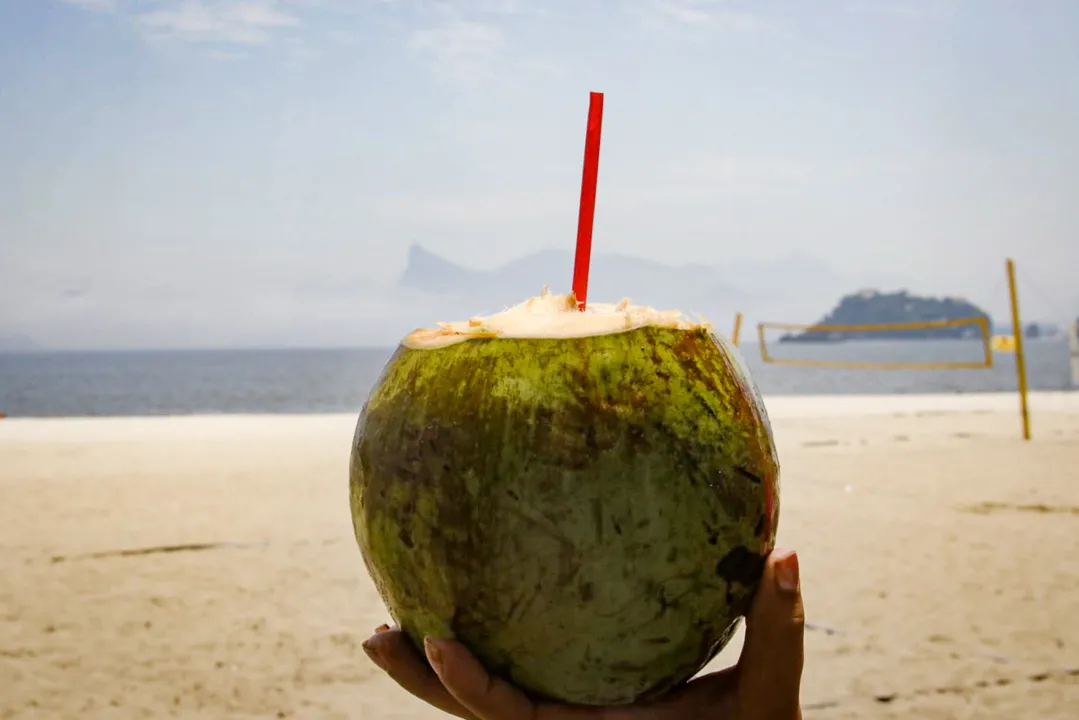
pixel 177 172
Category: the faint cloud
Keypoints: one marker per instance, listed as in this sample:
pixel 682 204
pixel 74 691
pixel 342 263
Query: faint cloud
pixel 220 22
pixel 714 14
pixel 909 9
pixel 225 55
pixel 459 39
pixel 461 51
pixel 464 40
pixel 502 7
pixel 471 8
pixel 96 5
pixel 232 23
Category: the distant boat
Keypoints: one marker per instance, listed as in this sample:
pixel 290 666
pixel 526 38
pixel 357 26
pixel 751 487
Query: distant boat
pixel 1003 343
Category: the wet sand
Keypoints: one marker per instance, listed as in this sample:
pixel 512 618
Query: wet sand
pixel 205 566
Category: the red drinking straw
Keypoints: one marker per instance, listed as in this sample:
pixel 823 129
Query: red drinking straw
pixel 588 199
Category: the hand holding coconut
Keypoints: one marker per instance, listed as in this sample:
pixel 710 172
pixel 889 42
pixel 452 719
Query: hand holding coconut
pixel 764 685
pixel 586 501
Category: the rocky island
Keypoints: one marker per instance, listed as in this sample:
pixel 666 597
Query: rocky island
pixel 872 307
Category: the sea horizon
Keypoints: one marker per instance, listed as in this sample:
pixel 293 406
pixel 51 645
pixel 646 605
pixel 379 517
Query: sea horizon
pixel 392 346
pixel 151 382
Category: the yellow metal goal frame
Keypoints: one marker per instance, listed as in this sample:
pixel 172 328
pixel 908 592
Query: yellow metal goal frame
pixel 981 322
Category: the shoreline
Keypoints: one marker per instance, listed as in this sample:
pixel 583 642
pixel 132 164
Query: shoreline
pixel 779 406
pixel 388 348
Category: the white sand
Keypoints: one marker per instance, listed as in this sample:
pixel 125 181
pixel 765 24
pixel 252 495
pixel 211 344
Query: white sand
pixel 939 555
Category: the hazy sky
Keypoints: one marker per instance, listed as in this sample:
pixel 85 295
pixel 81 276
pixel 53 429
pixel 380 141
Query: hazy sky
pixel 178 168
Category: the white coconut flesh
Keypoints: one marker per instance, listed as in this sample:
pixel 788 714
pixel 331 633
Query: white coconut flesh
pixel 548 316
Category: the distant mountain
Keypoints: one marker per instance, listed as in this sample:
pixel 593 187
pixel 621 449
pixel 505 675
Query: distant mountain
pixel 17 343
pixel 785 288
pixel 871 307
pixel 430 273
pixel 611 278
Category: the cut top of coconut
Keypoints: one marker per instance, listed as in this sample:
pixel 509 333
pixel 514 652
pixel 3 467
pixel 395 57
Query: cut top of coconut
pixel 551 316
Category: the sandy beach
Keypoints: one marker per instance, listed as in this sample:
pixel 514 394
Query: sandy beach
pixel 939 563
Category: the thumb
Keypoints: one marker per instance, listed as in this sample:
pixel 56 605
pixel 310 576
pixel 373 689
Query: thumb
pixel 770 669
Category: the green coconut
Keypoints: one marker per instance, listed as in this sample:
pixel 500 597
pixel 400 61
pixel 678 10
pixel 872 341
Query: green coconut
pixel 584 499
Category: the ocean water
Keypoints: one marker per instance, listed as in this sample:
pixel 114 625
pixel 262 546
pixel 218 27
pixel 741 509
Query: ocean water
pixel 316 381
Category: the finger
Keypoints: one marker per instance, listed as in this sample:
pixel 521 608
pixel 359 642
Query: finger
pixel 486 696
pixel 489 697
pixel 492 698
pixel 770 669
pixel 395 654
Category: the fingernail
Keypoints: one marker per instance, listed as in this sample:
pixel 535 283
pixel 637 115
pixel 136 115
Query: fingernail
pixel 381 628
pixel 372 652
pixel 787 573
pixel 434 654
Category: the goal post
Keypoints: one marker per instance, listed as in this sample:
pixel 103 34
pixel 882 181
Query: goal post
pixel 1073 351
pixel 981 323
